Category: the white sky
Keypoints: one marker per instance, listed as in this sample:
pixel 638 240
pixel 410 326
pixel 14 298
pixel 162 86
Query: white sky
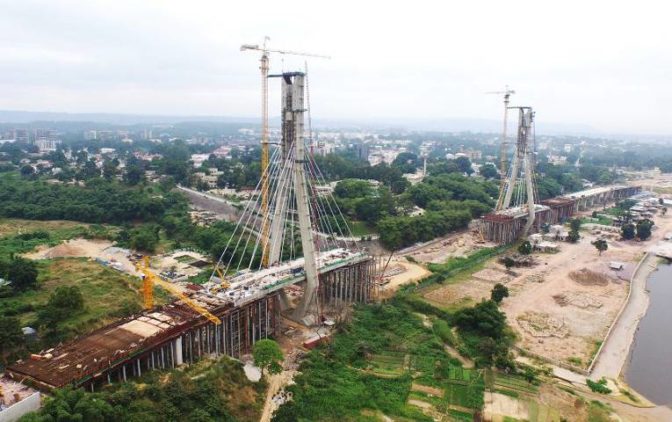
pixel 606 64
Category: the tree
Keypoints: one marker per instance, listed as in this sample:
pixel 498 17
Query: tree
pixel 133 175
pixel 601 245
pixel 628 231
pixel 63 303
pixel 22 273
pixel 464 164
pixel 499 292
pixel 268 355
pixel 27 171
pixel 508 263
pixel 144 238
pixel 575 224
pixel 644 229
pixel 489 171
pixel 484 318
pixel 75 405
pixel 525 248
pixel 573 236
pixel 11 336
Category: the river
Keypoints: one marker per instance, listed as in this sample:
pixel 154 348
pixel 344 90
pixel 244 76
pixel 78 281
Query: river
pixel 649 370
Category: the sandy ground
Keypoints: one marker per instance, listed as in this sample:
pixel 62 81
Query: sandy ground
pixel 554 315
pixel 557 317
pixel 84 248
pixel 401 272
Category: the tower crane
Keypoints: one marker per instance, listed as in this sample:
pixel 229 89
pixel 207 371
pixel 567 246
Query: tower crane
pixel 149 279
pixel 264 67
pixel 503 145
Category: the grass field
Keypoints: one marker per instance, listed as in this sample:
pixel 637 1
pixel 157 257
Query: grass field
pixel 107 293
pixel 19 236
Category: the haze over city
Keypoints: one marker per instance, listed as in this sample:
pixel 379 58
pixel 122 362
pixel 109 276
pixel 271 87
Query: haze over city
pixel 598 66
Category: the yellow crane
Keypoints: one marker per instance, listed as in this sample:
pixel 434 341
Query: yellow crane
pixel 503 148
pixel 149 279
pixel 264 67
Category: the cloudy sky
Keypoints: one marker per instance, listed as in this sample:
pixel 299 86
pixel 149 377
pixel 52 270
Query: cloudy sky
pixel 605 64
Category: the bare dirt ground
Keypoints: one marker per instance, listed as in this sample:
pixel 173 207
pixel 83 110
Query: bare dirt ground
pixel 454 245
pixel 399 272
pixel 562 307
pixel 85 248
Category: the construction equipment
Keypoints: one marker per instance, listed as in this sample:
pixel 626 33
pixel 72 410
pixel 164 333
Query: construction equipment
pixel 503 149
pixel 150 279
pixel 264 67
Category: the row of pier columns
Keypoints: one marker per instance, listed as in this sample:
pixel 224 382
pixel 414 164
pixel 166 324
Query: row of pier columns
pixel 239 330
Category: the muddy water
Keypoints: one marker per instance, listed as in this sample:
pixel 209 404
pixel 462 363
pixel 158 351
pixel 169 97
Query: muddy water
pixel 649 370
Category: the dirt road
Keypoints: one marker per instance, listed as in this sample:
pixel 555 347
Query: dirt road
pixel 276 383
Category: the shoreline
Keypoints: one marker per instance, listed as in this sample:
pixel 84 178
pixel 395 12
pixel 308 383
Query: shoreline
pixel 612 358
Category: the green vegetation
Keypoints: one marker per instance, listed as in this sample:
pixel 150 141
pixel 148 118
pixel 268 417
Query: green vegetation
pixel 525 248
pixel 399 232
pixel 601 245
pixel 644 229
pixel 11 337
pixel 100 201
pixel 598 387
pixel 106 293
pixel 485 335
pixel 207 391
pixel 628 231
pixel 499 292
pixel 370 366
pixel 599 412
pixel 575 361
pixel 454 266
pixel 268 356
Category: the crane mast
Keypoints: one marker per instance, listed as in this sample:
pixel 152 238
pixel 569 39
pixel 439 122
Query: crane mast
pixel 504 146
pixel 264 67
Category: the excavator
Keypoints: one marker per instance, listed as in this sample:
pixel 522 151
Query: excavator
pixel 149 279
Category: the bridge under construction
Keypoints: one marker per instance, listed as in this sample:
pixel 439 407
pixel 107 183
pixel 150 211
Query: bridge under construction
pixel 519 210
pixel 290 256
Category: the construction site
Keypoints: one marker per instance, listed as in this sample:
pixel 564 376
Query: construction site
pixel 519 210
pixel 281 263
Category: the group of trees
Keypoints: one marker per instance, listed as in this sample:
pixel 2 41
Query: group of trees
pixel 359 200
pixel 641 230
pixel 20 272
pixel 484 331
pixel 450 201
pixel 100 201
pixel 64 302
pixel 220 392
pixel 399 232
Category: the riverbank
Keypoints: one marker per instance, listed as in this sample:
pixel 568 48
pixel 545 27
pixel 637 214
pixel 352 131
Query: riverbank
pixel 615 350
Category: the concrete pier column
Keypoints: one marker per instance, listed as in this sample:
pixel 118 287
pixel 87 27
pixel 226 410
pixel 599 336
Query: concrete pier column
pixel 178 351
